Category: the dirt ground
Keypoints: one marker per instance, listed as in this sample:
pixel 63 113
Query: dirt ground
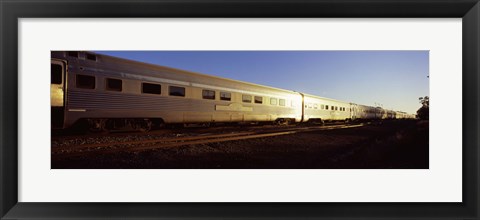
pixel 389 145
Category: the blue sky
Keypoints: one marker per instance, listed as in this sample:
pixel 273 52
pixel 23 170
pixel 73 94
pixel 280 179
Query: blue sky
pixel 394 79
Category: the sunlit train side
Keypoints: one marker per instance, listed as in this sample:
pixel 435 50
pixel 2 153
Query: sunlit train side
pixel 109 92
pixel 404 115
pixel 390 114
pixel 319 109
pixel 106 92
pixel 363 112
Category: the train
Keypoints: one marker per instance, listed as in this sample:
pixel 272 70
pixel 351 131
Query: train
pixel 104 92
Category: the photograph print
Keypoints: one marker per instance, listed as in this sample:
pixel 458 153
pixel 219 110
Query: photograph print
pixel 240 109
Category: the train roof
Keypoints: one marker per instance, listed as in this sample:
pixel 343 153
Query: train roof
pixel 190 74
pixel 176 70
pixel 329 99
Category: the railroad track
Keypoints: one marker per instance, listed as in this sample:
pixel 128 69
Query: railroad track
pixel 124 133
pixel 142 145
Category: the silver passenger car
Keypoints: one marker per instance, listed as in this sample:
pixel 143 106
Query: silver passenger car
pixel 108 91
pixel 320 109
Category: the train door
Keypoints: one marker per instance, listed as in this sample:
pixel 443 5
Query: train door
pixel 353 111
pixel 303 107
pixel 57 94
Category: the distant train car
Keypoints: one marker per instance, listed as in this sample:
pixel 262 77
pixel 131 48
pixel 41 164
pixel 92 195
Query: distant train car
pixel 319 109
pixel 364 112
pixel 404 115
pixel 390 114
pixel 105 92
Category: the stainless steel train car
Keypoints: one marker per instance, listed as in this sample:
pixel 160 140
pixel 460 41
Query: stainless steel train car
pixel 106 92
pixel 404 115
pixel 319 109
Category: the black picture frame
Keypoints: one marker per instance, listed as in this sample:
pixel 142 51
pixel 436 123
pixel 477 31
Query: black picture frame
pixel 11 11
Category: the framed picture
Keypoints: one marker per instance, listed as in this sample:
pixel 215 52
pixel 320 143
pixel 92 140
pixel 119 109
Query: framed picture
pixel 95 47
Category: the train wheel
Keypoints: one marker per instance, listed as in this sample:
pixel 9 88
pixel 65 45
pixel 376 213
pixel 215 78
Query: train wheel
pixel 322 122
pixel 279 122
pixel 143 125
pixel 158 123
pixel 97 125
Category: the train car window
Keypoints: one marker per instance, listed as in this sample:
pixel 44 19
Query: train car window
pixel 150 88
pixel 258 99
pixel 72 53
pixel 85 82
pixel 281 102
pixel 247 98
pixel 208 94
pixel 309 105
pixel 56 74
pixel 315 106
pixel 322 106
pixel 326 107
pixel 336 108
pixel 91 57
pixel 273 101
pixel 114 85
pixel 225 96
pixel 176 91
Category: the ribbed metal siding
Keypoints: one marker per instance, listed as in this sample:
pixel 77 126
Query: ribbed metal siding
pixel 121 101
pixel 90 100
